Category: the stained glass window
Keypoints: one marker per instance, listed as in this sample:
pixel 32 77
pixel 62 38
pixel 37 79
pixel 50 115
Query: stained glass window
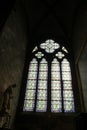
pixel 49 80
pixel 49 46
pixel 42 87
pixel 56 105
pixel 31 87
pixel 68 96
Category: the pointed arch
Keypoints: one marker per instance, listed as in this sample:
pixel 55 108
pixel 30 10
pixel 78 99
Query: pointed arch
pixel 49 81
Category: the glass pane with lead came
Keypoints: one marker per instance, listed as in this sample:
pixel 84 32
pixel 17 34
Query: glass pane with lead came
pixel 55 95
pixel 41 106
pixel 56 106
pixel 42 94
pixel 28 105
pixel 67 84
pixel 31 84
pixel 69 106
pixel 30 94
pixel 68 94
pixel 55 84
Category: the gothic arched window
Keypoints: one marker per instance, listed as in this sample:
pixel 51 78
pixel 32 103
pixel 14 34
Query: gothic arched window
pixel 49 80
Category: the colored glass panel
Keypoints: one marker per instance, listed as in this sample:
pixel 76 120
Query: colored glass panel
pixel 64 49
pixel 68 98
pixel 30 94
pixel 56 106
pixel 66 76
pixel 55 75
pixel 32 75
pixel 28 105
pixel 60 55
pixel 42 95
pixel 55 65
pixel 41 106
pixel 55 85
pixel 65 67
pixel 39 55
pixel 57 99
pixel 69 106
pixel 68 94
pixel 42 84
pixel 67 84
pixel 56 95
pixel 49 46
pixel 31 86
pixel 43 75
pixel 42 87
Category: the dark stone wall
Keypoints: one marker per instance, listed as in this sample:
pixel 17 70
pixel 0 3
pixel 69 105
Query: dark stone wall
pixel 13 41
pixel 80 31
pixel 83 74
pixel 80 52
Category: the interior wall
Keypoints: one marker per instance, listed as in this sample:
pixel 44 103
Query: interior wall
pixel 79 41
pixel 83 74
pixel 79 31
pixel 13 41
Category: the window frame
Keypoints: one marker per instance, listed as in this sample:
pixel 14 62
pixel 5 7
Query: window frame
pixel 29 56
